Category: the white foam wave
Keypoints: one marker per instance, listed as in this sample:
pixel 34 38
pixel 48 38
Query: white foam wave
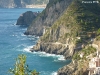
pixel 61 58
pixel 54 73
pixel 22 34
pixel 13 35
pixel 14 24
pixel 44 54
pixel 27 49
pixel 56 57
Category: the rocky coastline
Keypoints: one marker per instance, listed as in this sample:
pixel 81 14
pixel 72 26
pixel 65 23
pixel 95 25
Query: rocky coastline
pixel 65 29
pixel 53 48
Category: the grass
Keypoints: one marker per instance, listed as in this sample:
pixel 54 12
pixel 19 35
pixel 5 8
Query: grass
pixel 86 51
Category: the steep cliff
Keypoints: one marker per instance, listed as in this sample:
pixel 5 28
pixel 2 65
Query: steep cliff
pixel 73 29
pixel 27 18
pixel 71 32
pixel 54 9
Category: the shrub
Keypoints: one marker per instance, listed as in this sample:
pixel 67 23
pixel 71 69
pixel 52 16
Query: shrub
pixel 20 67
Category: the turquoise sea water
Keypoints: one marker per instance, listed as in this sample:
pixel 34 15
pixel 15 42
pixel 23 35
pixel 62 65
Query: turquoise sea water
pixel 13 42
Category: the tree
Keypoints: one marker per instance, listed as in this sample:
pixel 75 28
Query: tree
pixel 98 31
pixel 20 67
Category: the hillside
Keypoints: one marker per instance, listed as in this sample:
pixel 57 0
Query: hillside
pixel 70 32
pixel 54 9
pixel 78 20
pixel 20 3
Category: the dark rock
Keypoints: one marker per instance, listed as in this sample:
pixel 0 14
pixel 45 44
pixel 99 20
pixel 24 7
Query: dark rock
pixel 53 48
pixel 26 18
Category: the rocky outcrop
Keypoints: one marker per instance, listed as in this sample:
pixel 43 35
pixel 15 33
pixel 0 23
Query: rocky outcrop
pixel 55 48
pixel 68 69
pixel 74 68
pixel 52 12
pixel 27 18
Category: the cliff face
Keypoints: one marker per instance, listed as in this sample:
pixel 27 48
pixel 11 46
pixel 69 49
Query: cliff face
pixel 71 32
pixel 52 12
pixel 20 3
pixel 27 18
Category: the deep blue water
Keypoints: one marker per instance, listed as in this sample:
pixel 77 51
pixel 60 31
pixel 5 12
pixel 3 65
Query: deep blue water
pixel 13 42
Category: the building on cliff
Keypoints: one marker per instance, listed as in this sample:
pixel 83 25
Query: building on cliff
pixel 94 66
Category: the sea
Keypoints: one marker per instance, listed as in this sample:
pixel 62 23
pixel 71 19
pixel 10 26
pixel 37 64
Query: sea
pixel 13 43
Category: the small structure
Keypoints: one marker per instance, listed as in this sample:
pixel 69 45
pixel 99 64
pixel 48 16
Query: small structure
pixel 94 66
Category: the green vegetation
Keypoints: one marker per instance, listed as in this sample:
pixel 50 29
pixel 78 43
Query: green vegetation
pixel 76 56
pixel 98 38
pixel 86 15
pixel 20 67
pixel 79 41
pixel 83 61
pixel 86 51
pixel 98 31
pixel 89 50
pixel 79 20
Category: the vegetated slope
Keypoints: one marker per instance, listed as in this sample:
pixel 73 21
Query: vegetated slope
pixel 52 12
pixel 70 33
pixel 78 20
pixel 20 3
pixel 87 17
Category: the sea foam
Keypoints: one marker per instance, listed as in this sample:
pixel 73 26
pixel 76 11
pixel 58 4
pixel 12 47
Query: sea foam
pixel 27 49
pixel 54 73
pixel 44 54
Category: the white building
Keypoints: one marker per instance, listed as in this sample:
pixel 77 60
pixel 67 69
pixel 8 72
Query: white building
pixel 94 66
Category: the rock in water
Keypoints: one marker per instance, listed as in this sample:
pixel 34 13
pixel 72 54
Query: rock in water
pixel 26 18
